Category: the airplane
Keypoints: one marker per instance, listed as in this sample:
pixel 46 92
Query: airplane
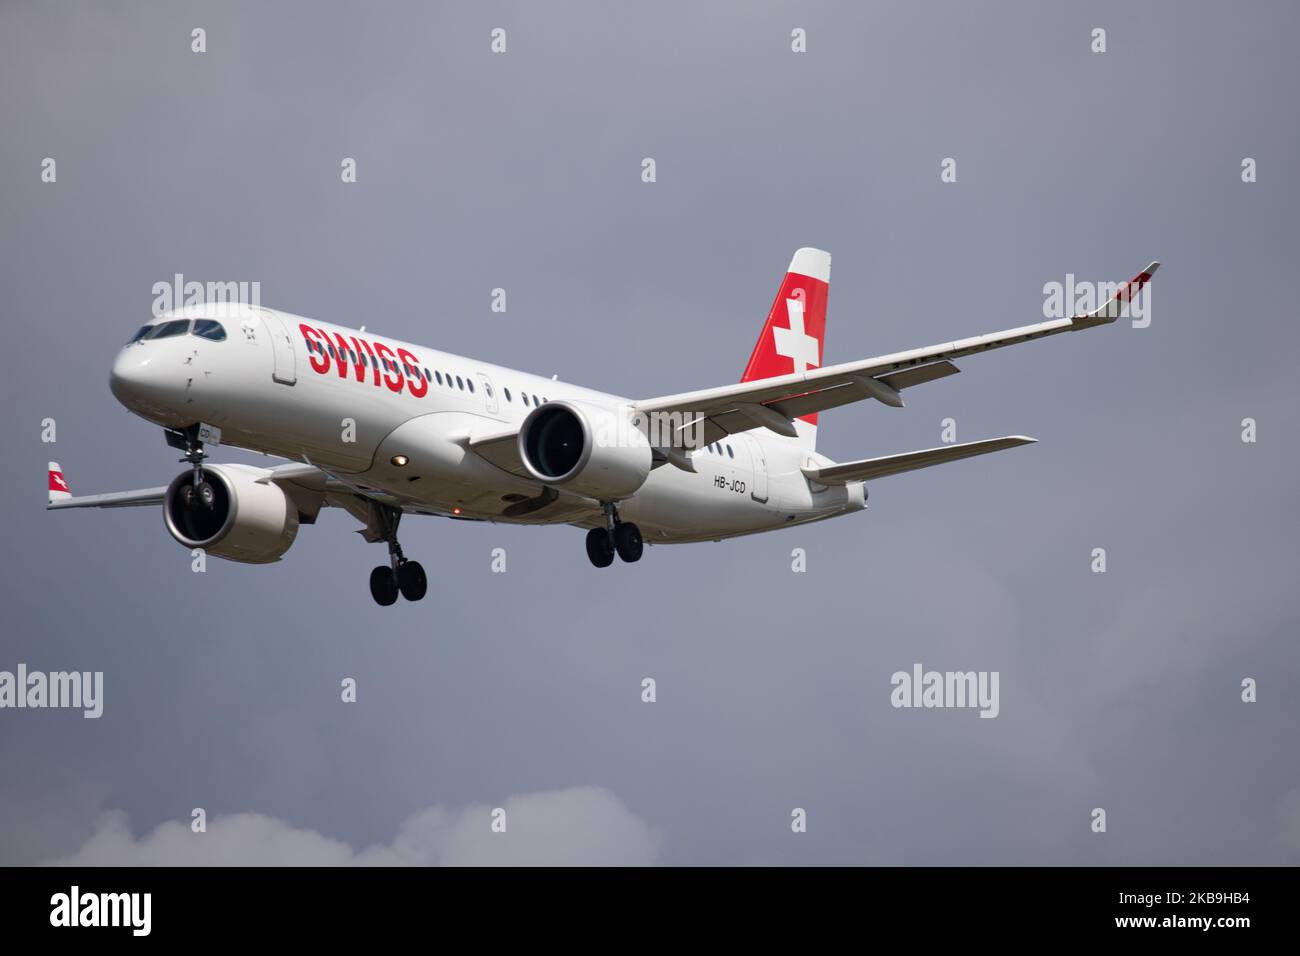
pixel 382 429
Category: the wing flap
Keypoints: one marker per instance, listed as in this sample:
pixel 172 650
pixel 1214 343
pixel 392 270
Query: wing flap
pixel 855 391
pixel 732 420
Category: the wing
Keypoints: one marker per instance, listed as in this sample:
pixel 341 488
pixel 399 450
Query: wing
pixel 870 468
pixel 500 446
pixel 117 499
pixel 311 488
pixel 775 402
pixel 60 495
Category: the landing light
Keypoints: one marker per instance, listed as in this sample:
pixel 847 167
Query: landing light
pixel 399 461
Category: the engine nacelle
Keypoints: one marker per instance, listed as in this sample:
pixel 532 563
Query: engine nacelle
pixel 588 449
pixel 249 521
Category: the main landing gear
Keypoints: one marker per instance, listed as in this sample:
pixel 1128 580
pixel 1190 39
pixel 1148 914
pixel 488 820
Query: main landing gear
pixel 617 537
pixel 199 493
pixel 401 576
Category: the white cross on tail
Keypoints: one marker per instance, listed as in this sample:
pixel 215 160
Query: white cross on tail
pixel 794 343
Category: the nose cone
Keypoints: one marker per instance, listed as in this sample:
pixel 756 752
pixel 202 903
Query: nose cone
pixel 139 382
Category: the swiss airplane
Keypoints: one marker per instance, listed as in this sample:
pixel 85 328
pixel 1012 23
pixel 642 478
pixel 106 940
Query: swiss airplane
pixel 382 428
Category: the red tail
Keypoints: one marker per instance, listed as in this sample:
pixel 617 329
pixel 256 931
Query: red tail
pixel 795 331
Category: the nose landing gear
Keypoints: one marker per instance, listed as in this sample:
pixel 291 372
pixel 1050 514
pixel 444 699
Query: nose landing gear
pixel 199 493
pixel 617 537
pixel 400 576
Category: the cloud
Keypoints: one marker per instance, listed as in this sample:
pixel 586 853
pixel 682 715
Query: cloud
pixel 580 826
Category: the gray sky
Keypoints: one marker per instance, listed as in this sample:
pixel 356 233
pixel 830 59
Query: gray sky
pixel 522 690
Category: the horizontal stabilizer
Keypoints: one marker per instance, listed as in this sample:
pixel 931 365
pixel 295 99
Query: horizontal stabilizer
pixel 870 468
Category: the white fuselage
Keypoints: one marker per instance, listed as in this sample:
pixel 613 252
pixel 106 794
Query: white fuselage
pixel 269 391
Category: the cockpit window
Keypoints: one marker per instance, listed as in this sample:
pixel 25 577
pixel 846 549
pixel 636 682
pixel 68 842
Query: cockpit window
pixel 209 329
pixel 144 330
pixel 166 330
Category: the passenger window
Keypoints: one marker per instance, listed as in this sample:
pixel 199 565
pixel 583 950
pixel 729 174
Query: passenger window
pixel 487 388
pixel 459 384
pixel 507 391
pixel 730 453
pixel 470 383
pixel 438 376
pixel 523 397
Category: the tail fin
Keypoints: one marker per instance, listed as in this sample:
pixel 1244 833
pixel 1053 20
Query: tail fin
pixel 58 488
pixel 795 331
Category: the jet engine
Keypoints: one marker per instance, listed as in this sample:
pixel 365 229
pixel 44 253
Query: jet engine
pixel 588 449
pixel 232 515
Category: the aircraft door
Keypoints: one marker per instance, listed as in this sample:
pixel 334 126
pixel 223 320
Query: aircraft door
pixel 759 488
pixel 284 370
pixel 489 393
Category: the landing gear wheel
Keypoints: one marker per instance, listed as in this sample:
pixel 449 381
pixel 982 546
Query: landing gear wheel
pixel 411 580
pixel 600 547
pixel 207 495
pixel 202 495
pixel 383 586
pixel 627 541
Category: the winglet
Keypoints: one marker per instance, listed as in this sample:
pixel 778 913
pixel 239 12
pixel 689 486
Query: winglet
pixel 58 487
pixel 1114 306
